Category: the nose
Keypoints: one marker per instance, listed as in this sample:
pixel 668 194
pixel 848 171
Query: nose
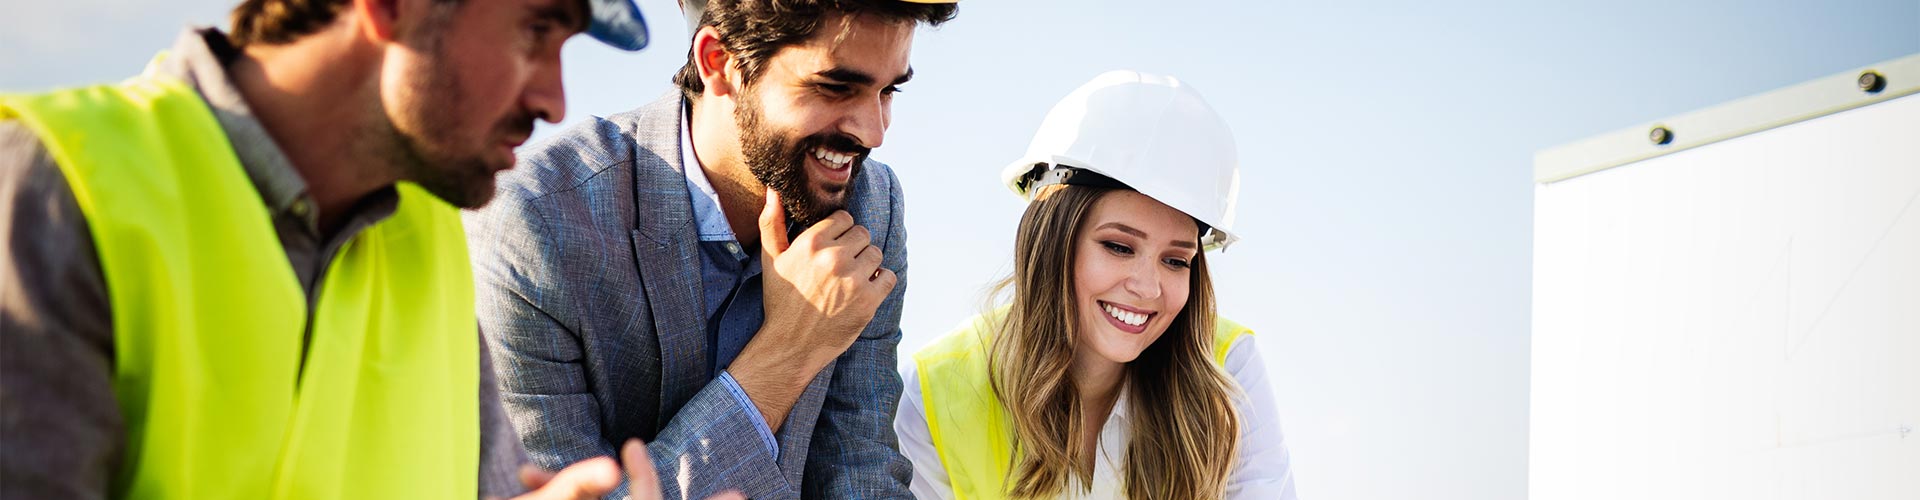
pixel 1143 280
pixel 867 121
pixel 545 96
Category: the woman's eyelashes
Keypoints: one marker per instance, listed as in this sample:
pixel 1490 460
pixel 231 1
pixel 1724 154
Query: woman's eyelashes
pixel 1122 249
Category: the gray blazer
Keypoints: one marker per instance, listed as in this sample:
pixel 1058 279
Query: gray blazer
pixel 588 291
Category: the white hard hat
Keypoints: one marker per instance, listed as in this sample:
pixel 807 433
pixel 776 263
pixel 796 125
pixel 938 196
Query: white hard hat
pixel 1150 133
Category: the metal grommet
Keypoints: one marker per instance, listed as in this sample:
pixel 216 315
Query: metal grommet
pixel 1660 136
pixel 1871 82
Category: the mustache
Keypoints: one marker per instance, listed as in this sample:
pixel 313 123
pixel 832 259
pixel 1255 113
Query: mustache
pixel 520 125
pixel 835 141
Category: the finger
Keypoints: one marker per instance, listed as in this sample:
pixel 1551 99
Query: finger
pixel 886 280
pixel 855 237
pixel 589 479
pixel 643 483
pixel 773 226
pixel 533 477
pixel 869 258
pixel 728 495
pixel 842 224
pixel 830 229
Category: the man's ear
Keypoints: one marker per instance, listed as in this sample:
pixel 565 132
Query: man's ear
pixel 710 56
pixel 381 18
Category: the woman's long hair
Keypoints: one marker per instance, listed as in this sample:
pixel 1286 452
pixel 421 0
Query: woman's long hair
pixel 1185 430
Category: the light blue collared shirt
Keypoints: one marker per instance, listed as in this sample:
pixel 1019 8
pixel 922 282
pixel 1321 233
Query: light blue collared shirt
pixel 729 277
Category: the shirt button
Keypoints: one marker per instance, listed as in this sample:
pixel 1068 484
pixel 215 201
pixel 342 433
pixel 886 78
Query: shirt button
pixel 733 248
pixel 300 208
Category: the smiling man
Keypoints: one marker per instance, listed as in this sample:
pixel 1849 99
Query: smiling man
pixel 242 274
pixel 719 272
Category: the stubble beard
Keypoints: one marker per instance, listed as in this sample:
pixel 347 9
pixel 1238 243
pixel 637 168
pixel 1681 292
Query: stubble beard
pixel 430 154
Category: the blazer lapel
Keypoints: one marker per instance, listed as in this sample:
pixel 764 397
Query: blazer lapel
pixel 664 244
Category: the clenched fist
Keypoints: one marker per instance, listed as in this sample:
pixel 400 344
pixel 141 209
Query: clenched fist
pixel 820 291
pixel 824 287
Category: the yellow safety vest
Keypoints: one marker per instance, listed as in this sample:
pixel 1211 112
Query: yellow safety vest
pixel 968 425
pixel 209 319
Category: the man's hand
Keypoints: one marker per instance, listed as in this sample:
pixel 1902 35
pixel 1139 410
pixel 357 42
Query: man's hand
pixel 824 287
pixel 593 478
pixel 588 479
pixel 820 292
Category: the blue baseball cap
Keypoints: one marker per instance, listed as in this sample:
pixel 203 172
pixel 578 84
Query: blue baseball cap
pixel 617 23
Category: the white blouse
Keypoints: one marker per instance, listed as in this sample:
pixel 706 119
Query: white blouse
pixel 1263 472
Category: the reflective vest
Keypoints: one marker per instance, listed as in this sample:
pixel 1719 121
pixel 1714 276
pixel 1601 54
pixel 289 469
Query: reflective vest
pixel 970 428
pixel 222 396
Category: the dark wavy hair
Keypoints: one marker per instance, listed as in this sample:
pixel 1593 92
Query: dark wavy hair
pixel 753 30
pixel 277 22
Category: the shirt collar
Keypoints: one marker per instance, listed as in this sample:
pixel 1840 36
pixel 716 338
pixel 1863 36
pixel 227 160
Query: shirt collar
pixel 707 215
pixel 199 57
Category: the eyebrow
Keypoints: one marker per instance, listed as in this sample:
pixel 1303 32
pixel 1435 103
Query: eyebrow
pixel 1143 235
pixel 857 77
pixel 559 14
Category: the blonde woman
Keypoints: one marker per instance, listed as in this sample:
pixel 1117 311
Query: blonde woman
pixel 1108 374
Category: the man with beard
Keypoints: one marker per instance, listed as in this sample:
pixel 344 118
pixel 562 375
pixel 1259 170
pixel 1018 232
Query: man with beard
pixel 242 274
pixel 620 289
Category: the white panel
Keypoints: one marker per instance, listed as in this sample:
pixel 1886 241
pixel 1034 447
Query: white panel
pixel 1739 320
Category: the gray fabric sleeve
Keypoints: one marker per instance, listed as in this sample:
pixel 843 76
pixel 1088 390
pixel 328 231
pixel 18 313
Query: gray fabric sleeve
pixel 58 416
pixel 501 453
pixel 855 453
pixel 710 445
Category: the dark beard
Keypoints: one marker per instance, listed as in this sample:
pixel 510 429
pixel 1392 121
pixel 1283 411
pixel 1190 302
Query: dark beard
pixel 783 167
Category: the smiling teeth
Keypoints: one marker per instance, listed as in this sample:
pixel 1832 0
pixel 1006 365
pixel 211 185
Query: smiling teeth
pixel 1130 318
pixel 837 159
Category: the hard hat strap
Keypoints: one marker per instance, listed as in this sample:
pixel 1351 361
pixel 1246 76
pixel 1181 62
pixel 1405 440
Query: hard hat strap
pixel 1042 176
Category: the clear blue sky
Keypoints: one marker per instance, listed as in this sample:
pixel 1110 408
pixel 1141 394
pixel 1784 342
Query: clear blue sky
pixel 1387 149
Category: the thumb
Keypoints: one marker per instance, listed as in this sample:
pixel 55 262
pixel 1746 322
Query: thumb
pixel 642 482
pixel 773 227
pixel 534 477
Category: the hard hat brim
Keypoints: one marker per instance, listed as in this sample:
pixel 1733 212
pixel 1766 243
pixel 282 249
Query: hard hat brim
pixel 1016 177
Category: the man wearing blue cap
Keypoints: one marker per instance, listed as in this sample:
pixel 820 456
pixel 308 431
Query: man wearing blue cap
pixel 242 274
pixel 638 275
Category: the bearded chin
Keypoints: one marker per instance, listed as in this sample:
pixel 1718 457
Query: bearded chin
pixel 782 167
pixel 786 174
